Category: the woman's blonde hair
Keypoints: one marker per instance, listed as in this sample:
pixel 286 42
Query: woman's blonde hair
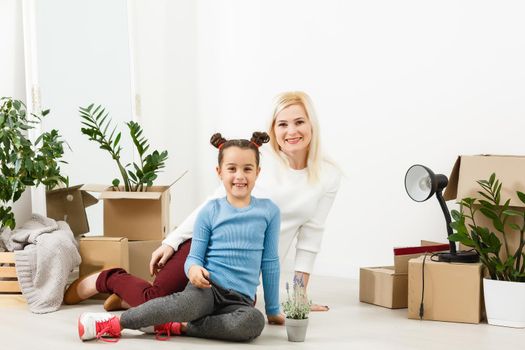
pixel 287 99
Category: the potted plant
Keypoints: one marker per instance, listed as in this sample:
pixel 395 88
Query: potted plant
pixel 296 308
pixel 139 210
pixel 23 163
pixel 97 126
pixel 503 289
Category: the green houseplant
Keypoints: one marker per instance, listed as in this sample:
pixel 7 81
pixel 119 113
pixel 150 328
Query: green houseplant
pixel 296 307
pixel 97 126
pixel 505 267
pixel 23 163
pixel 509 266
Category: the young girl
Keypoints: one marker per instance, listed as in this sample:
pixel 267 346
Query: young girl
pixel 235 239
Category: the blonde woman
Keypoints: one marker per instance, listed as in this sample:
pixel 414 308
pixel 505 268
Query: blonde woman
pixel 295 176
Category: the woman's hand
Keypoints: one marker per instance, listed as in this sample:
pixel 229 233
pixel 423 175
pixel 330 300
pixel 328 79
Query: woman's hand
pixel 199 276
pixel 159 258
pixel 276 319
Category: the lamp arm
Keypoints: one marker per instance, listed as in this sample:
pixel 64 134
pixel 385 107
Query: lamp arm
pixel 444 207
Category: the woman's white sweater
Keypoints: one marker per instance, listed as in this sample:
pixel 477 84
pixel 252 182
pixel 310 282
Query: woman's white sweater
pixel 304 207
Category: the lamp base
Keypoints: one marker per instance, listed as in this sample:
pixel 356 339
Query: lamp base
pixel 459 257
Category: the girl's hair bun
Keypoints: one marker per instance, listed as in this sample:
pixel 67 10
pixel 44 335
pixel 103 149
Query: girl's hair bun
pixel 216 140
pixel 259 138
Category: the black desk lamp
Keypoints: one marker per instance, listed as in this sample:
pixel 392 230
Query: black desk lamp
pixel 421 183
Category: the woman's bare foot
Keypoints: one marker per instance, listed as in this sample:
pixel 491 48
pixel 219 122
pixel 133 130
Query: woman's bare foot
pixel 317 307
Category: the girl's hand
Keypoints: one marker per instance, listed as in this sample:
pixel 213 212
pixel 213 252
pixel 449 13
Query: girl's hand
pixel 199 276
pixel 159 258
pixel 276 319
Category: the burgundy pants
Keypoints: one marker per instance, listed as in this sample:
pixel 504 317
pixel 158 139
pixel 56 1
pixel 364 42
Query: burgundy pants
pixel 135 291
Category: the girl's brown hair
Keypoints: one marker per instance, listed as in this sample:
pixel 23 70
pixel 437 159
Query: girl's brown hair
pixel 257 140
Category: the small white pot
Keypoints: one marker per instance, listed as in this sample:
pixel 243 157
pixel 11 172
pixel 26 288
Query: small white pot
pixel 296 329
pixel 505 303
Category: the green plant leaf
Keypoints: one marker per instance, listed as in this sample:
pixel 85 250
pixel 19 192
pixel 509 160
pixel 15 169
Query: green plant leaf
pixel 456 215
pixel 117 139
pixel 132 175
pixel 489 213
pixel 521 196
pixel 514 226
pixel 498 225
pixel 483 194
pixel 511 212
pixel 487 204
pixel 492 178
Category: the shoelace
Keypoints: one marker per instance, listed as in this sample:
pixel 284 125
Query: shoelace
pixel 167 329
pixel 104 327
pixel 161 330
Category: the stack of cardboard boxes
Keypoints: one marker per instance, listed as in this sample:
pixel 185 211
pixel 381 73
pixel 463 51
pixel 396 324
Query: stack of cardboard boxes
pixel 449 291
pixel 135 223
pixel 452 291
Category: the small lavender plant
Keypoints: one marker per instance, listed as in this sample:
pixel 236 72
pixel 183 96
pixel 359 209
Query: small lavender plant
pixel 296 306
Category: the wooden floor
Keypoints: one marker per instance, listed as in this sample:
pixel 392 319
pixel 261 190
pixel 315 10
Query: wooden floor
pixel 348 325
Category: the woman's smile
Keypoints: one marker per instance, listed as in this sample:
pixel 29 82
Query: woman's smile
pixel 294 140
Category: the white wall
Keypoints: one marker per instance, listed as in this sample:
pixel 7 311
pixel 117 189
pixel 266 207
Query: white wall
pixel 12 74
pixel 395 83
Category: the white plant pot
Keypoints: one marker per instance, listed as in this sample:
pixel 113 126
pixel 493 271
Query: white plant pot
pixel 505 303
pixel 296 329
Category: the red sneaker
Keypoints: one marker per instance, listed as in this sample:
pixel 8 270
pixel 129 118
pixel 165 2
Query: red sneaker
pixel 93 325
pixel 164 331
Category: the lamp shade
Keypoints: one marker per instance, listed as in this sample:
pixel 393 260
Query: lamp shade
pixel 420 183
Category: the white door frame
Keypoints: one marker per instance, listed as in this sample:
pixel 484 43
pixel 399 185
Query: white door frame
pixel 38 193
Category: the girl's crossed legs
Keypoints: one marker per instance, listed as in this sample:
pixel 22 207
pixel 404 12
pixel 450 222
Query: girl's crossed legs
pixel 214 313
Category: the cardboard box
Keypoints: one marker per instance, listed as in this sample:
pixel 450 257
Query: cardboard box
pixel 140 256
pixel 387 286
pixel 383 286
pixel 135 215
pixel 69 205
pixel 452 291
pixel 101 253
pixel 509 170
pixel 403 255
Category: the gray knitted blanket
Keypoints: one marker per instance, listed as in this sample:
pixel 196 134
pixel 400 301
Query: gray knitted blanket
pixel 45 253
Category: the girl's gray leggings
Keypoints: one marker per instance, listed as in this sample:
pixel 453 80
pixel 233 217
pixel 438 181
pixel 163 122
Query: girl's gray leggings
pixel 214 313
